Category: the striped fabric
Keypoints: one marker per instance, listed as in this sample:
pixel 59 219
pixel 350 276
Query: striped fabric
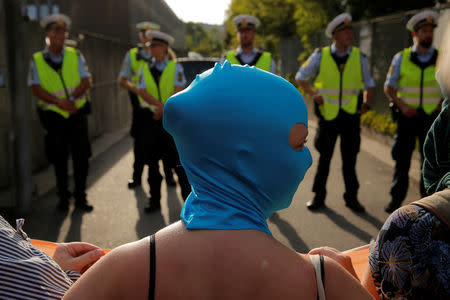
pixel 25 271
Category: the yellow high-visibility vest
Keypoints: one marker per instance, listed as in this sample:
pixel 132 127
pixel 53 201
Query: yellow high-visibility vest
pixel 418 86
pixel 164 89
pixel 263 63
pixel 339 90
pixel 135 65
pixel 50 80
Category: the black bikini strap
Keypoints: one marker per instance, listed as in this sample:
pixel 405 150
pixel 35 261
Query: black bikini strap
pixel 322 270
pixel 152 279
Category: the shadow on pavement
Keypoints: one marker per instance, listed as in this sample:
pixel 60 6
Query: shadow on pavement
pixel 173 204
pixel 290 233
pixel 148 223
pixel 372 220
pixel 74 232
pixel 45 221
pixel 346 225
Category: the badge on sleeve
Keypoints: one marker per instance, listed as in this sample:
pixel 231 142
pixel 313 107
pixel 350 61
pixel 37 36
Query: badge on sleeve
pixel 391 70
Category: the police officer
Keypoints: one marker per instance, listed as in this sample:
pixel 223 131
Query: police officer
pixel 341 74
pixel 412 88
pixel 59 80
pixel 247 53
pixel 129 79
pixel 159 80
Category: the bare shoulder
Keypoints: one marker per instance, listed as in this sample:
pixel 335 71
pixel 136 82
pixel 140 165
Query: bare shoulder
pixel 121 274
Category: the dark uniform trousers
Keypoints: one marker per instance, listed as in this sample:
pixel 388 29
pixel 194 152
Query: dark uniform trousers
pixel 138 113
pixel 347 126
pixel 139 160
pixel 154 144
pixel 64 137
pixel 408 129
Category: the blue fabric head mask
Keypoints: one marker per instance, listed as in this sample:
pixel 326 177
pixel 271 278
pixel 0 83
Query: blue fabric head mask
pixel 231 129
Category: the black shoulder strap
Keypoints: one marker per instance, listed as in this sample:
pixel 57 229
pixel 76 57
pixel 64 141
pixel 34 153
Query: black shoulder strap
pixel 140 57
pixel 253 62
pixel 155 73
pixel 152 279
pixel 50 62
pixel 423 65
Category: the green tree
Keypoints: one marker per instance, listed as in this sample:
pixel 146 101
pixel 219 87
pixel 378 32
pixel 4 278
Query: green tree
pixel 203 41
pixel 279 18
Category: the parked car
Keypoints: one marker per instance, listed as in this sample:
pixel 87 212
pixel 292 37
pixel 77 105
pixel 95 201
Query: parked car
pixel 193 66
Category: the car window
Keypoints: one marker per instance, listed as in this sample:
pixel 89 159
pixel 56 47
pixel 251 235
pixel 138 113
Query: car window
pixel 192 68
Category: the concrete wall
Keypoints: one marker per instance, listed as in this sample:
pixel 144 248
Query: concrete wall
pixel 106 17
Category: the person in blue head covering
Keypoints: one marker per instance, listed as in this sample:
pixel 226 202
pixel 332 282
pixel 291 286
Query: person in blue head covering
pixel 240 133
pixel 237 158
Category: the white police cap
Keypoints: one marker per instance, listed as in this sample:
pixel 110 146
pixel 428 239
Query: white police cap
pixel 147 25
pixel 426 17
pixel 340 21
pixel 158 36
pixel 59 19
pixel 246 21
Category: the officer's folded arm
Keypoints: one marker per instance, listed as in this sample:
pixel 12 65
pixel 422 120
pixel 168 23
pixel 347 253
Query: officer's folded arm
pixel 42 94
pixel 127 84
pixel 81 89
pixel 149 98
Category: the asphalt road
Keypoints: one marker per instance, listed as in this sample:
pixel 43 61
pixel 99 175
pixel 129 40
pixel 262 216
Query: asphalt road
pixel 119 216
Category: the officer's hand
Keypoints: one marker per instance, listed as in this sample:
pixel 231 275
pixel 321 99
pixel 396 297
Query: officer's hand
pixel 408 111
pixel 76 256
pixel 318 99
pixel 158 114
pixel 67 105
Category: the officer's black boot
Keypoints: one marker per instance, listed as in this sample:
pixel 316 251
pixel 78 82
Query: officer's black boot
pixel 392 206
pixel 353 203
pixel 133 183
pixel 81 202
pixel 316 203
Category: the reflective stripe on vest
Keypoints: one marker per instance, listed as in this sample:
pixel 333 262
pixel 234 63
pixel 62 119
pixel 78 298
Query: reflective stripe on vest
pixel 166 86
pixel 416 83
pixel 51 82
pixel 329 86
pixel 264 62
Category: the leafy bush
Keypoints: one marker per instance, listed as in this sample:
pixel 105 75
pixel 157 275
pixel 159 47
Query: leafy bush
pixel 381 123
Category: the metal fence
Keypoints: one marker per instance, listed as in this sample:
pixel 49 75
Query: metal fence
pixel 380 39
